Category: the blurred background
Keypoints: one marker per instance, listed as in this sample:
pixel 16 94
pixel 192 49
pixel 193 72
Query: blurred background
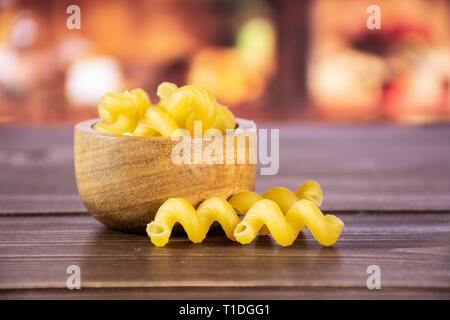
pixel 282 60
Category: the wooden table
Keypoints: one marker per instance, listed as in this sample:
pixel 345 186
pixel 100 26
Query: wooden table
pixel 390 185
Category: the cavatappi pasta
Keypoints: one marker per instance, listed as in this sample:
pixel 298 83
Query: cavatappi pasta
pixel 284 214
pixel 284 197
pixel 132 113
pixel 196 223
pixel 264 214
pixel 120 112
pixel 285 229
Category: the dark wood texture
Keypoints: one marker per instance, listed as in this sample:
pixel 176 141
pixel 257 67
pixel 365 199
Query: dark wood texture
pixel 411 249
pixel 390 185
pixel 360 168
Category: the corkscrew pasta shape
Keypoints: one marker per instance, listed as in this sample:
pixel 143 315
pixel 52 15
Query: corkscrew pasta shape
pixel 285 229
pixel 196 223
pixel 284 197
pixel 263 214
pixel 120 112
pixel 131 113
pixel 301 210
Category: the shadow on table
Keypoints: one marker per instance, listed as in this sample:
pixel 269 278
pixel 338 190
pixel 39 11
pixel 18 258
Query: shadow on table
pixel 114 258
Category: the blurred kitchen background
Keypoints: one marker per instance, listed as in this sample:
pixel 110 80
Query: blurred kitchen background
pixel 290 60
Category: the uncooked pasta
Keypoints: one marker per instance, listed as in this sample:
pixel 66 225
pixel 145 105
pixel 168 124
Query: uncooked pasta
pixel 131 113
pixel 278 212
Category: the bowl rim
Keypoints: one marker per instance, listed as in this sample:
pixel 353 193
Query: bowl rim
pixel 243 126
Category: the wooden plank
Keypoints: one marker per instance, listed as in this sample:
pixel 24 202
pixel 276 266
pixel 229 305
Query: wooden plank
pixel 36 171
pixel 411 249
pixel 227 293
pixel 368 167
pixel 361 168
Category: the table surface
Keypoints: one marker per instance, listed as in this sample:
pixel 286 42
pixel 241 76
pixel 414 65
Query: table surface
pixel 389 184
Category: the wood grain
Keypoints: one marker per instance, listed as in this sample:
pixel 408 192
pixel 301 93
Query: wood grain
pixel 124 180
pixel 400 175
pixel 411 249
pixel 360 168
pixel 228 293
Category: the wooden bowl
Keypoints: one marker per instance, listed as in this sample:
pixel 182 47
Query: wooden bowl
pixel 123 180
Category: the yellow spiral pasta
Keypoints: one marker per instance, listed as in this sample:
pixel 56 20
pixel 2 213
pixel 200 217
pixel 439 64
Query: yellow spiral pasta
pixel 266 214
pixel 131 113
pixel 224 119
pixel 193 103
pixel 155 121
pixel 196 223
pixel 263 214
pixel 285 229
pixel 120 112
pixel 284 197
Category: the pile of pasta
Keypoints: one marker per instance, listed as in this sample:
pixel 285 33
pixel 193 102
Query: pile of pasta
pixel 132 113
pixel 278 212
